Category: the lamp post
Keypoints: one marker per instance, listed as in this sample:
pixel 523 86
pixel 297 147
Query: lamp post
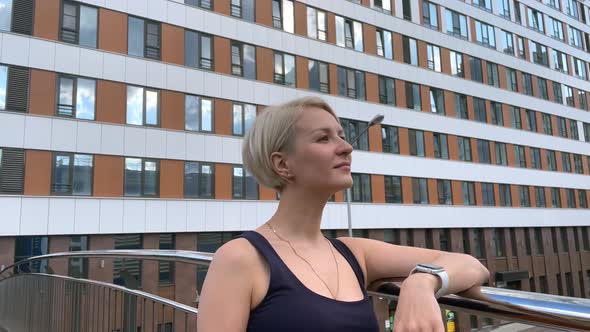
pixel 375 120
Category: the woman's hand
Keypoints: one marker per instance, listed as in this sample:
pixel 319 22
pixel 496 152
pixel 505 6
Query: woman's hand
pixel 417 308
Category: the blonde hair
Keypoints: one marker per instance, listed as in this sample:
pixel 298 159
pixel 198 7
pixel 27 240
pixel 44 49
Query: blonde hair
pixel 273 131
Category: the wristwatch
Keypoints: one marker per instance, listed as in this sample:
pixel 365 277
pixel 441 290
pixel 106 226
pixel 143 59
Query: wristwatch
pixel 437 271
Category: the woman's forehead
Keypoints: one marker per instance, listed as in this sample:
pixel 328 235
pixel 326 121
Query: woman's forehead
pixel 313 119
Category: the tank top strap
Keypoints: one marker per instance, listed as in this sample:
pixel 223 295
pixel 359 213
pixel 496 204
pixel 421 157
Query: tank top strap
pixel 349 256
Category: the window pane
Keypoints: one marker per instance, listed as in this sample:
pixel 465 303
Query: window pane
pixel 135 38
pixel 249 61
pixel 206 187
pixel 66 96
pixel 238 182
pixel 191 179
pixel 132 177
pixel 237 119
pixel 288 19
pixel 150 180
pixel 206 54
pixel 249 116
pixel 62 182
pixel 206 115
pixel 5 14
pixel 191 48
pixel 191 112
pixel 151 107
pixel 340 31
pixel 314 75
pixel 248 10
pixel 82 175
pixel 85 99
pixel 289 70
pixel 358 36
pixel 3 79
pixel 88 26
pixel 134 105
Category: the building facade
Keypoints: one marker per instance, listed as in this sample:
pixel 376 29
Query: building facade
pixel 121 125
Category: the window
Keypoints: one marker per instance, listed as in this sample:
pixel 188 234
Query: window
pixel 352 129
pixel 570 198
pixel 243 9
pixel 14 84
pixel 29 246
pixel 531 119
pixel 557 92
pixel 420 190
pixel 498 242
pixel 504 8
pixel 464 144
pixel 413 98
pixel 437 101
pixel 143 106
pixel 505 197
pixel 361 188
pixel 461 106
pixel 511 81
pixel 527 84
pixel 517 13
pixel 487 190
pixel 492 70
pixel 540 197
pixel 497 115
pixel 142 177
pixel 243 118
pixel 523 194
pixel 72 174
pixel 12 170
pixel 501 158
pixel 575 36
pixel 390 139
pixel 569 95
pixel 553 3
pixel 516 121
pixel 429 14
pixel 578 164
pixel 456 24
pixel 564 239
pixel 513 242
pixel 582 99
pixel 483 4
pixel 542 86
pixel 566 162
pixel 444 239
pixel 200 3
pixel 198 180
pixel 198 113
pixel 476 70
pixel 561 127
pixel 535 19
pixel 507 42
pixel 319 79
pixel 316 24
pixel 441 148
pixel 198 51
pixel 407 10
pixel 521 47
pixel 483 150
pixel 393 189
pixel 243 60
pixel 445 195
pixel 166 268
pixel 384 43
pixel 478 243
pixel 466 246
pixel 416 138
pixel 555 199
pixel 560 60
pixel 143 38
pixel 127 272
pixel 76 97
pixel 386 90
pixel 551 162
pixel 586 132
pixel 571 8
pixel 284 69
pixel 547 127
pixel 457 64
pixel 539 53
pixel 535 158
pixel 410 50
pixel 468 193
pixel 544 284
pixel 479 108
pixel 580 68
pixel 244 185
pixel 17 16
pixel 78 267
pixel 282 15
pixel 484 34
pixel 519 156
pixel 539 241
pixel 351 83
pixel 349 33
pixel 433 53
pixel 574 129
pixel 79 24
pixel 381 5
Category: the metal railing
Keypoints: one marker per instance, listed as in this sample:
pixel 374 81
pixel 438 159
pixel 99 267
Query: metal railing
pixel 47 302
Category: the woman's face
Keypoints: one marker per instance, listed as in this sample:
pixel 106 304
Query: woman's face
pixel 320 158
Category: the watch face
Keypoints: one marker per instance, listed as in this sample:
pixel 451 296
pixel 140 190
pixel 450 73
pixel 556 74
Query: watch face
pixel 431 267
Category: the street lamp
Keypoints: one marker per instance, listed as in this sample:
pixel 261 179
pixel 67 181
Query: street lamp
pixel 375 120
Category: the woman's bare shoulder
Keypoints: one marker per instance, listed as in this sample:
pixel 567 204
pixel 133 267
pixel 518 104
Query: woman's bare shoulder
pixel 237 252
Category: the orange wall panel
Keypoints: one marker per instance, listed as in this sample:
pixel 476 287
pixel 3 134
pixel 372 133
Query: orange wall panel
pixel 302 74
pixel 223 181
pixel 407 197
pixel 432 191
pixel 223 117
pixel 46 19
pixel 223 6
pixel 221 49
pixel 109 173
pixel 372 89
pixel 457 190
pixel 370 38
pixel 173 44
pixel 264 64
pixel 378 188
pixel 375 141
pixel 400 93
pixel 111 102
pixel 453 147
pixel 334 79
pixel 42 92
pixel 398 52
pixel 263 13
pixel 112 31
pixel 172 113
pixel 404 143
pixel 429 144
pixel 300 13
pixel 449 104
pixel 331 31
pixel 171 178
pixel 267 194
pixel 37 172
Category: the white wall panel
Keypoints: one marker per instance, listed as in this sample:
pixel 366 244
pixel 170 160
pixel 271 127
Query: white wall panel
pixel 155 215
pixel 112 139
pixel 214 215
pixel 91 63
pixel 195 147
pixel 67 59
pixel 232 216
pixel 134 215
pixel 213 148
pixel 111 216
pixel 248 216
pixel 176 216
pixel 12 129
pixel 157 10
pixel 230 87
pixel 176 13
pixel 175 145
pixel 15 49
pixel 135 70
pixel 134 141
pixel 34 215
pixel 156 75
pixel 114 67
pixel 211 84
pixel 176 77
pixel 37 132
pixel 63 134
pixel 194 81
pixel 87 216
pixel 42 54
pixel 88 137
pixel 194 18
pixel 156 141
pixel 119 5
pixel 61 216
pixel 195 215
pixel 11 211
pixel 138 7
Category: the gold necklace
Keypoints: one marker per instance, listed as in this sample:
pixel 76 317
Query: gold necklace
pixel 311 267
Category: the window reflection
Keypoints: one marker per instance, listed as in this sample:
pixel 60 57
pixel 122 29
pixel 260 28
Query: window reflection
pixel 134 105
pixel 85 99
pixel 151 107
pixel 135 43
pixel 5 14
pixel 88 26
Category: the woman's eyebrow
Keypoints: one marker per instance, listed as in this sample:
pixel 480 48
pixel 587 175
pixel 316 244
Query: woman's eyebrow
pixel 327 129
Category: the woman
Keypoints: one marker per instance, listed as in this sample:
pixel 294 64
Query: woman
pixel 285 275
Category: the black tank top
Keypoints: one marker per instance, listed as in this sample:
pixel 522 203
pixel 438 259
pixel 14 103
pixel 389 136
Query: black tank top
pixel 290 306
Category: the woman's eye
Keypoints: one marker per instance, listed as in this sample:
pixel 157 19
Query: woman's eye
pixel 323 138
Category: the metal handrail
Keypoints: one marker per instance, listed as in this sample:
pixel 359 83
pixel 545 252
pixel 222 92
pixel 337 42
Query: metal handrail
pixel 538 309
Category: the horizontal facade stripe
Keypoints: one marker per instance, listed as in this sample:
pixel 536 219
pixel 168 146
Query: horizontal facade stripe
pixel 61 215
pixel 65 135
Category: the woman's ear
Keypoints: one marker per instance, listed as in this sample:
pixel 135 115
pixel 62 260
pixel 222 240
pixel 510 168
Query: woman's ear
pixel 281 167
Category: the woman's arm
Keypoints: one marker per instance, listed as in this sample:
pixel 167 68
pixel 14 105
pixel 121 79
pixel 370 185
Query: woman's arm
pixel 226 295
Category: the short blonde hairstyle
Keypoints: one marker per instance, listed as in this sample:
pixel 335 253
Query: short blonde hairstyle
pixel 274 131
